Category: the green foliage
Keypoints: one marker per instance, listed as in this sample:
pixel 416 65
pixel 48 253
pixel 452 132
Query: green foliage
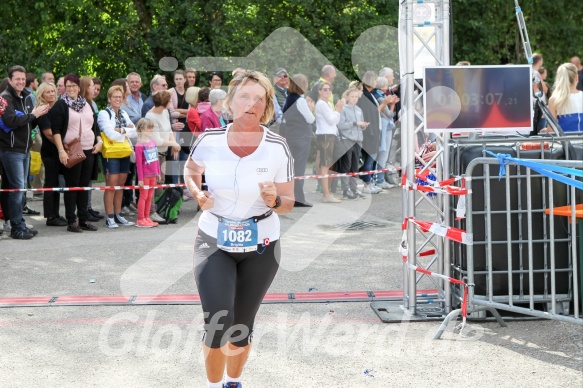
pixel 109 38
pixel 487 33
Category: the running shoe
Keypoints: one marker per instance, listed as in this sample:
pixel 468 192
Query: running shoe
pixel 384 185
pixel 348 194
pixel 153 223
pixel 118 218
pixel 370 188
pixel 232 385
pixel 144 223
pixel 156 217
pixel 21 234
pixel 110 223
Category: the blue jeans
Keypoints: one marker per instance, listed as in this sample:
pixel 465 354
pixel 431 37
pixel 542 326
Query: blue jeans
pixel 177 166
pixel 15 165
pixel 369 164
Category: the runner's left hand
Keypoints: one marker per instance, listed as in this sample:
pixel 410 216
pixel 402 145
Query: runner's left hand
pixel 268 193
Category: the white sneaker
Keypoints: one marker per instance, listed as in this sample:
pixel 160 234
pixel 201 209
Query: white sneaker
pixel 384 185
pixel 118 218
pixel 370 188
pixel 360 195
pixel 110 223
pixel 156 217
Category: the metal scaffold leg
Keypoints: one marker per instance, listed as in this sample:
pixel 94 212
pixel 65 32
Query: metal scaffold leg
pixel 423 33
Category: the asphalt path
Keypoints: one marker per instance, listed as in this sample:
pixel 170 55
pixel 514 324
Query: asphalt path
pixel 340 344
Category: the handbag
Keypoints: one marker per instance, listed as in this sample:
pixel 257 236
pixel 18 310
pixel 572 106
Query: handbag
pixel 35 163
pixel 74 150
pixel 115 149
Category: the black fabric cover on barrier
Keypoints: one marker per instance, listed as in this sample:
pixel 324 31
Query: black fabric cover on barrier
pixel 518 224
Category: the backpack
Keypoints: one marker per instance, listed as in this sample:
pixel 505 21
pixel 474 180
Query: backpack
pixel 168 204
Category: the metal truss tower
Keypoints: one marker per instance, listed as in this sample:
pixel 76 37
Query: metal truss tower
pixel 424 40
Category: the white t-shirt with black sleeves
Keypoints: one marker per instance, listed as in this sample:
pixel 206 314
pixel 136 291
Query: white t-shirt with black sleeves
pixel 233 181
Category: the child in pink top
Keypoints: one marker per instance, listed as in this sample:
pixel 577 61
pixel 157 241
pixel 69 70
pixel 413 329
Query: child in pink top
pixel 148 170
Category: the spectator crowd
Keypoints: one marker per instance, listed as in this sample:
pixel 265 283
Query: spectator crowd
pixel 55 123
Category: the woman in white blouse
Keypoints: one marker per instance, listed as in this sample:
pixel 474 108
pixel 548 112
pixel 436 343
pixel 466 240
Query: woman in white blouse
pixel 326 132
pixel 117 126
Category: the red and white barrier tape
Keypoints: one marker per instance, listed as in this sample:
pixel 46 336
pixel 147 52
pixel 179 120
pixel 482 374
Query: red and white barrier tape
pixel 444 183
pixel 96 188
pixel 443 187
pixel 348 174
pixel 449 232
pixel 404 250
pixel 104 188
pixel 447 190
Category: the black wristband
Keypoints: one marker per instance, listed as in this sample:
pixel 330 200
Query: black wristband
pixel 277 202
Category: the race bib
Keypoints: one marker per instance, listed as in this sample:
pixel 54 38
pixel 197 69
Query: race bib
pixel 237 236
pixel 151 154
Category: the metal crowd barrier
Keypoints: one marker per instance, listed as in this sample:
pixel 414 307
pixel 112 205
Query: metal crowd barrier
pixel 528 259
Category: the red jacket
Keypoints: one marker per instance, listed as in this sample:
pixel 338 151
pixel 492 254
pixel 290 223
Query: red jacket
pixel 194 121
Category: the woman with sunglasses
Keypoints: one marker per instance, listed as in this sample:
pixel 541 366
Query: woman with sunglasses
pixel 327 120
pixel 117 126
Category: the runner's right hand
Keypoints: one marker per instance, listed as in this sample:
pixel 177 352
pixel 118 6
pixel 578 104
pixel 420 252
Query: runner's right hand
pixel 205 200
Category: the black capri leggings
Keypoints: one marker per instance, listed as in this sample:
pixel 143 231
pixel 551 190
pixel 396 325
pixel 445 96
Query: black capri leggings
pixel 231 288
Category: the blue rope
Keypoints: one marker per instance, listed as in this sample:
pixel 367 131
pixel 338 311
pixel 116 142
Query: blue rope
pixel 550 171
pixel 503 160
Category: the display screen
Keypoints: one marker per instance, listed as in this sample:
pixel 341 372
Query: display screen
pixel 478 98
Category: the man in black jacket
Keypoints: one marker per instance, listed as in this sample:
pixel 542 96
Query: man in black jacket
pixel 19 119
